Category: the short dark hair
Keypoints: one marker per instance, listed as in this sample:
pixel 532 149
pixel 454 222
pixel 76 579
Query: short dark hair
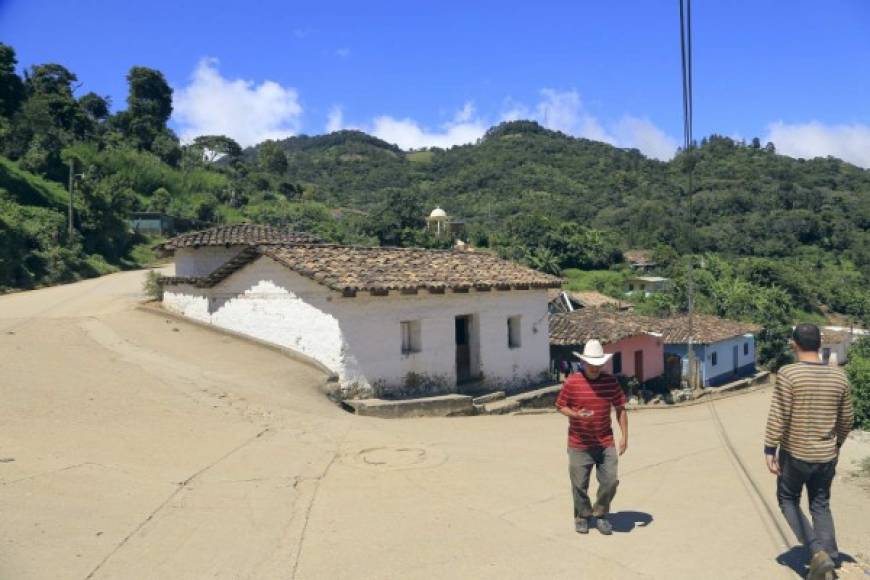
pixel 807 336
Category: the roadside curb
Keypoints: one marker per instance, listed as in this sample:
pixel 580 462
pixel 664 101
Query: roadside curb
pixel 328 386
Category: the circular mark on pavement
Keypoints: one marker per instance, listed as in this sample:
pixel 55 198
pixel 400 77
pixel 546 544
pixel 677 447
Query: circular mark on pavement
pixel 395 457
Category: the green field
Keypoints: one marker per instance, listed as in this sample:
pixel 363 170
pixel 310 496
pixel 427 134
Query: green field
pixel 420 156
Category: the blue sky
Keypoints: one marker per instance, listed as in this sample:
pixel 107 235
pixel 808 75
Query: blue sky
pixel 440 73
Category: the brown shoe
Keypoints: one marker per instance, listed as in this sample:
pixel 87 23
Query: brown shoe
pixel 820 566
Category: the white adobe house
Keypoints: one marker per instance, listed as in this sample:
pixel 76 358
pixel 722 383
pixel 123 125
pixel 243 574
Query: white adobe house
pixel 648 285
pixel 386 321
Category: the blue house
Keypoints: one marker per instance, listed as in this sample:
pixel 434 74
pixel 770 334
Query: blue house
pixel 724 349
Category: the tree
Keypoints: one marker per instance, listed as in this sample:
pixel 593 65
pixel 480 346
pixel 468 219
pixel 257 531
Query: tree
pixel 544 260
pixel 397 219
pixel 167 147
pixel 858 371
pixel 11 86
pixel 214 147
pixel 48 120
pixel 95 106
pixel 160 200
pixel 272 158
pixel 149 105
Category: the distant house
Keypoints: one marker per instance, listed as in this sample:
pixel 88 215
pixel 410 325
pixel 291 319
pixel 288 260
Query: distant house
pixel 151 223
pixel 202 252
pixel 566 301
pixel 638 350
pixel 640 260
pixel 836 341
pixel 386 321
pixel 724 349
pixel 647 285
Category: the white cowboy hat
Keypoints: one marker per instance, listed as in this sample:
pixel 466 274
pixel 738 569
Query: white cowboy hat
pixel 593 353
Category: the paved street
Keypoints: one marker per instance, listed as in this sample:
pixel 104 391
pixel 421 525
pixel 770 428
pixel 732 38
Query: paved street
pixel 136 446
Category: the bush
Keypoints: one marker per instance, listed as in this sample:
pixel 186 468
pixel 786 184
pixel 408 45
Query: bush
pixel 153 288
pixel 858 371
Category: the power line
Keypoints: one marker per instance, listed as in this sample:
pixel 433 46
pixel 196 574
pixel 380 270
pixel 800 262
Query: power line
pixel 688 144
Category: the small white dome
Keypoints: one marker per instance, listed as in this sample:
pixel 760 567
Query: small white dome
pixel 438 213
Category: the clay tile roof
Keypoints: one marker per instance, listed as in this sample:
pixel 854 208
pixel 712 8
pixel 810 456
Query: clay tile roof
pixel 354 268
pixel 604 324
pixel 594 299
pixel 380 269
pixel 706 329
pixel 640 257
pixel 834 336
pixel 235 235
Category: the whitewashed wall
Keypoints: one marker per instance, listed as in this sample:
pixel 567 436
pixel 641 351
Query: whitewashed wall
pixel 204 260
pixel 360 338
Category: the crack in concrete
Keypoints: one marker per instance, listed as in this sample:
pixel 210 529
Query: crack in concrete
pixel 666 461
pixel 307 517
pixel 764 513
pixel 181 486
pixel 58 470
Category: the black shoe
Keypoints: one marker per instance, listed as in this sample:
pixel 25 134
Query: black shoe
pixel 581 525
pixel 820 566
pixel 605 527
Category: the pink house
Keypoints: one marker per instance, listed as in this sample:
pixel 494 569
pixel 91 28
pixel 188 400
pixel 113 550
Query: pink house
pixel 638 351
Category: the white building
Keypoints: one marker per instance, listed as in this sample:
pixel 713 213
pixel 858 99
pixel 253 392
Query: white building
pixel 648 285
pixel 836 341
pixel 386 321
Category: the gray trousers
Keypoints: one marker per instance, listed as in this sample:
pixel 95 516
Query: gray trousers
pixel 580 464
pixel 817 478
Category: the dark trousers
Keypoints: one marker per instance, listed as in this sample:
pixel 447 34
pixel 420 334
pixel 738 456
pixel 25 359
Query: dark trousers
pixel 817 478
pixel 580 464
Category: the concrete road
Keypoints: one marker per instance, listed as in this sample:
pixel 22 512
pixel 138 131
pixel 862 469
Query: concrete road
pixel 135 446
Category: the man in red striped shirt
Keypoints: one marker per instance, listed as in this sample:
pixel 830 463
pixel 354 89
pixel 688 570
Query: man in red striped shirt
pixel 586 399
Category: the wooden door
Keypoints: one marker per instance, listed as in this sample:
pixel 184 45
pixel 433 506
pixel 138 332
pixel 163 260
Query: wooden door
pixel 638 365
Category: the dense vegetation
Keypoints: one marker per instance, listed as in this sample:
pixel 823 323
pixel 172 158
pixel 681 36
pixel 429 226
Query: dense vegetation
pixel 858 371
pixel 773 239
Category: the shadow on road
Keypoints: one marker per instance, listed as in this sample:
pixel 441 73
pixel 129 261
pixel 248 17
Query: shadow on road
pixel 625 522
pixel 798 560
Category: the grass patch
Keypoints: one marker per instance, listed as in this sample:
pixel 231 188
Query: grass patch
pixel 25 188
pixel 99 266
pixel 420 156
pixel 143 254
pixel 610 282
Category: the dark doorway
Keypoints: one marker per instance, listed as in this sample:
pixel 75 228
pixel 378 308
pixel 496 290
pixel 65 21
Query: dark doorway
pixel 638 366
pixel 736 361
pixel 463 349
pixel 673 370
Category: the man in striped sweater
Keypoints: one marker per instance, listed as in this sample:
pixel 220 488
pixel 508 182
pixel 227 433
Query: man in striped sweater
pixel 810 418
pixel 587 398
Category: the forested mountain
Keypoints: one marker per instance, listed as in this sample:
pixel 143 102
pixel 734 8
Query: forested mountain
pixel 770 233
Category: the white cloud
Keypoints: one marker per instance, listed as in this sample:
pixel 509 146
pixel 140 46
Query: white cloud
pixel 249 113
pixel 848 142
pixel 465 127
pixel 335 119
pixel 644 135
pixel 564 111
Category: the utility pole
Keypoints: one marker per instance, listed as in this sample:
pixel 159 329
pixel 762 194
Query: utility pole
pixel 70 207
pixel 72 180
pixel 688 145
